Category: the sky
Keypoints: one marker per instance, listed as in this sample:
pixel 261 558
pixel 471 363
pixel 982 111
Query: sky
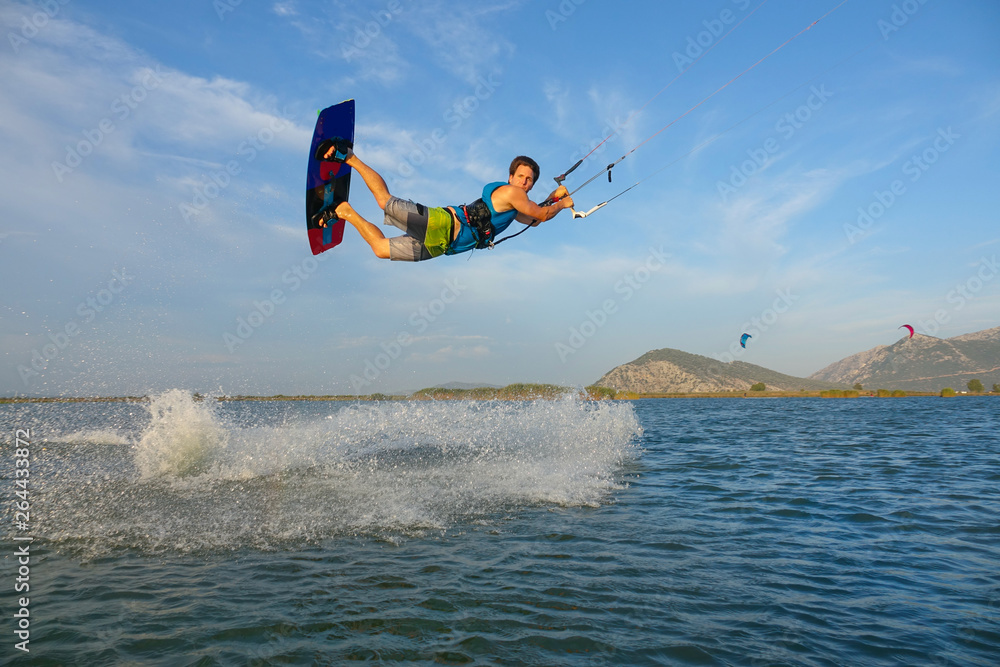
pixel 817 193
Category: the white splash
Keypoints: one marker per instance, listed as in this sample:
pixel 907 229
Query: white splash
pixel 183 437
pixel 216 476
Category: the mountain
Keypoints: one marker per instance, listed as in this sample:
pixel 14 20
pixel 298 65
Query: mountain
pixel 922 363
pixel 673 371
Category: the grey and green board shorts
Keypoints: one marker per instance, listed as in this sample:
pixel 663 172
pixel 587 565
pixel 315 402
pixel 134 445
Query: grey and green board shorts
pixel 428 231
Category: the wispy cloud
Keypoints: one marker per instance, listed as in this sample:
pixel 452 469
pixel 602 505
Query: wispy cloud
pixel 364 38
pixel 935 65
pixel 449 354
pixel 753 224
pixel 471 44
pixel 459 38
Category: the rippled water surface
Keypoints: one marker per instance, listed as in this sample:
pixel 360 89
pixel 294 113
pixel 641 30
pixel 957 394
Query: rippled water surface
pixel 659 532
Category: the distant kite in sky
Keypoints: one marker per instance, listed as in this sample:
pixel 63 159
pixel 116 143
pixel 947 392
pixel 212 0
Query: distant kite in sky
pixel 744 338
pixel 908 328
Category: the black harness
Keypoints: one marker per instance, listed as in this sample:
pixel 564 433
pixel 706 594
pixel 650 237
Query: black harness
pixel 478 216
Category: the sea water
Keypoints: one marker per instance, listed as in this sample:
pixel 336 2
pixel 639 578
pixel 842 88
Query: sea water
pixel 565 532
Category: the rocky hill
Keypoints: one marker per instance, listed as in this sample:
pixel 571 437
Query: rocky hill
pixel 673 371
pixel 922 363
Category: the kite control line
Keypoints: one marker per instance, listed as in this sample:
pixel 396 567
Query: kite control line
pixel 562 177
pixel 559 179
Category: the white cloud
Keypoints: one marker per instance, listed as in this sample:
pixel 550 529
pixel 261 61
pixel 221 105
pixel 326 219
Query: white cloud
pixel 284 9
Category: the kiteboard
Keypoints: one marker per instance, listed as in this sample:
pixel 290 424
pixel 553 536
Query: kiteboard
pixel 328 182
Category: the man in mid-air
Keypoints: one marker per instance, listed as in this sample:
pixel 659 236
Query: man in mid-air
pixel 431 232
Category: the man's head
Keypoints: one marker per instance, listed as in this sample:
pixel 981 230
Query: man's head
pixel 522 169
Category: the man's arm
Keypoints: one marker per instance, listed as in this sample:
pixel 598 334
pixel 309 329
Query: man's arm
pixel 508 197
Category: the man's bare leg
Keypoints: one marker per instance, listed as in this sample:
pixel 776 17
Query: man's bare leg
pixel 369 232
pixel 372 178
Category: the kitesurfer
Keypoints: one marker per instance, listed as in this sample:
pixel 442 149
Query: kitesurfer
pixel 431 232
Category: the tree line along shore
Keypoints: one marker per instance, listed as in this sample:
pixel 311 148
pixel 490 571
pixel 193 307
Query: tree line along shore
pixel 527 392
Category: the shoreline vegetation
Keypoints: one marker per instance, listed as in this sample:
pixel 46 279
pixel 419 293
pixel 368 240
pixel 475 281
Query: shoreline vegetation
pixel 526 392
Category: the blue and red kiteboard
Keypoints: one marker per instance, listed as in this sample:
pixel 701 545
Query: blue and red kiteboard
pixel 327 182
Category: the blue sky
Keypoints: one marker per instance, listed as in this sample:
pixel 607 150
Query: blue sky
pixel 154 159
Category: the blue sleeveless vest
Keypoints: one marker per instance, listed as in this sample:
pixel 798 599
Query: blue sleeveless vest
pixel 466 239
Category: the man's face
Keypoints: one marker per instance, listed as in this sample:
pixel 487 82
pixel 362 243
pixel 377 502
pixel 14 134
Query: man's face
pixel 523 177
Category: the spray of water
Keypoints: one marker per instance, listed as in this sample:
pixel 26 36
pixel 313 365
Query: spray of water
pixel 201 478
pixel 183 437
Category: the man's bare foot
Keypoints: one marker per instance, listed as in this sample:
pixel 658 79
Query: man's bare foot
pixel 324 217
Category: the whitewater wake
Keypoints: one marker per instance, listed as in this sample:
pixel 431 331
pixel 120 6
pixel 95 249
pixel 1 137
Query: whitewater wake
pixel 199 476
